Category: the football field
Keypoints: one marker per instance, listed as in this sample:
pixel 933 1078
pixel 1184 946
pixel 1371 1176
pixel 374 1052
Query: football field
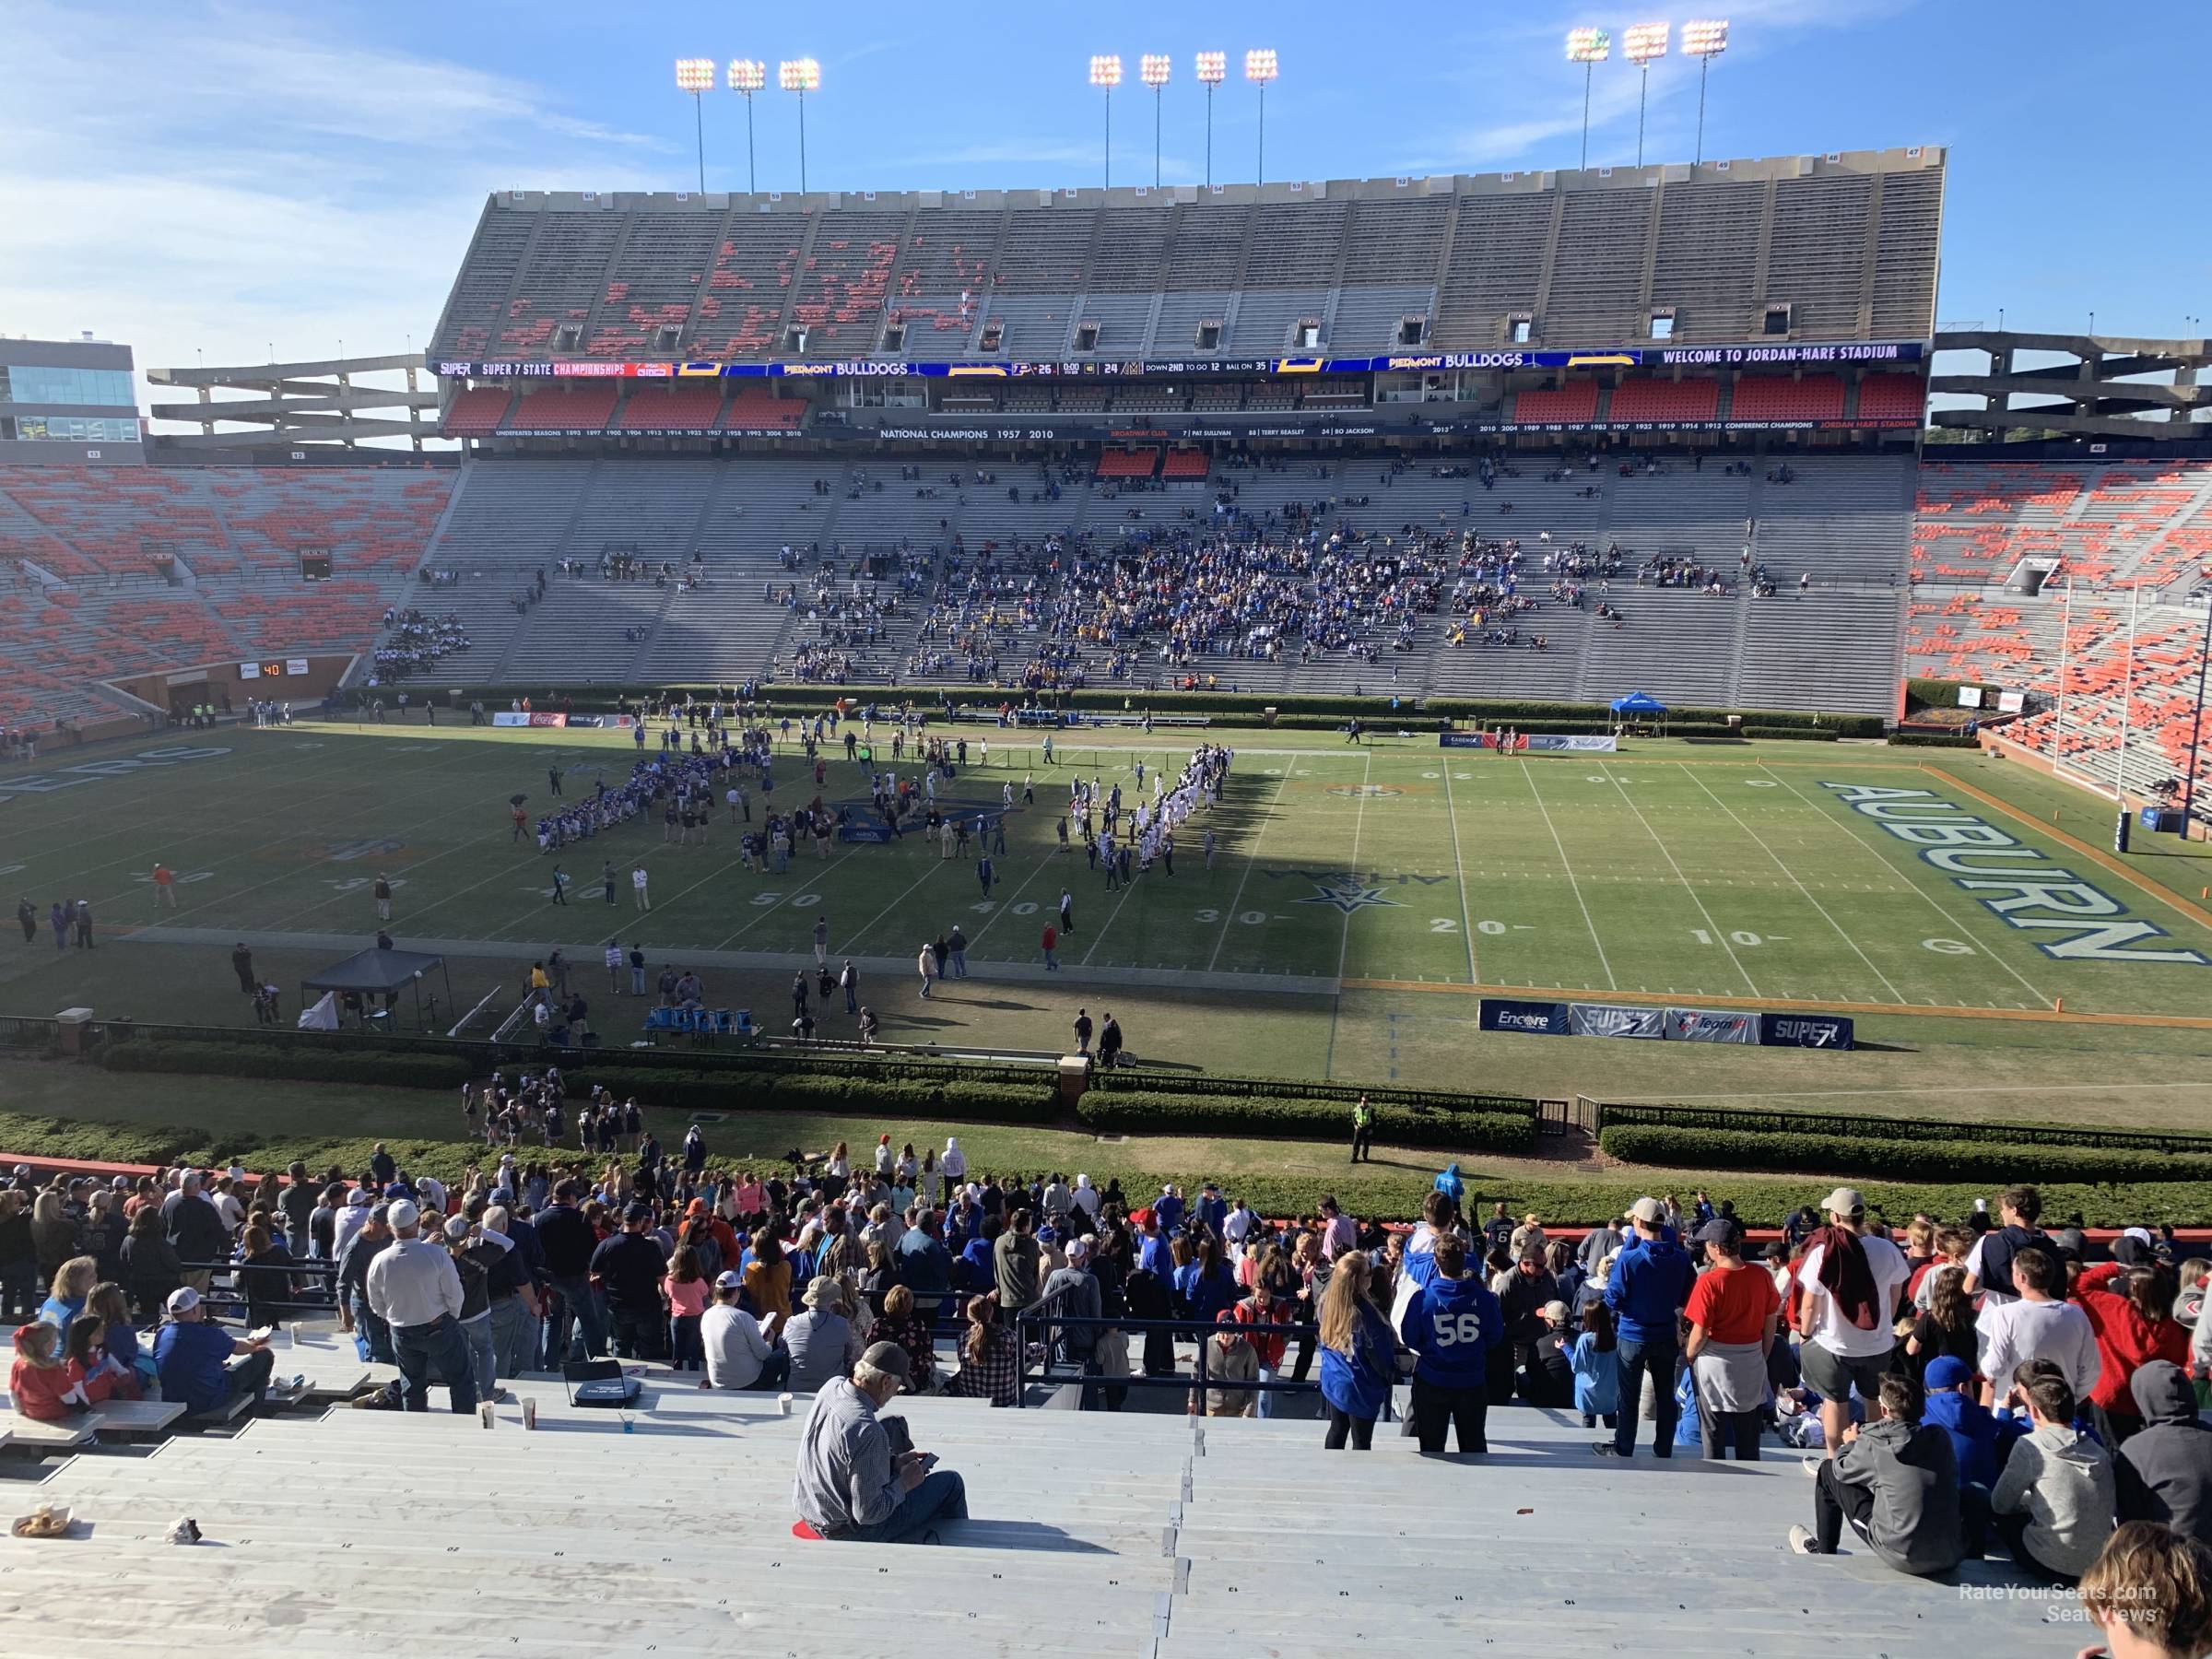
pixel 1350 885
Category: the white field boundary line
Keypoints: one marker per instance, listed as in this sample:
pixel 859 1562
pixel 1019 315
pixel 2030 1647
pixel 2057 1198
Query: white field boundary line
pixel 1873 850
pixel 136 827
pixel 1367 771
pixel 290 875
pixel 1721 938
pixel 1459 871
pixel 1251 858
pixel 247 853
pixel 1785 868
pixel 1575 886
pixel 782 903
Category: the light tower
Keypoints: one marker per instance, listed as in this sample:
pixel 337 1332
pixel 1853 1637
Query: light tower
pixel 1259 69
pixel 1705 38
pixel 695 75
pixel 801 76
pixel 1641 44
pixel 1588 47
pixel 1152 69
pixel 1106 74
pixel 748 75
pixel 1213 69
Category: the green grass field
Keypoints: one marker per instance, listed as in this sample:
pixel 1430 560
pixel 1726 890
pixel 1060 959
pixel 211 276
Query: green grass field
pixel 1358 898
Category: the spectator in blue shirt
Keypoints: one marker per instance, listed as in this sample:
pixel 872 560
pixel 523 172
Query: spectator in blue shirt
pixel 1212 1209
pixel 1452 1323
pixel 1169 1210
pixel 1649 1287
pixel 193 1358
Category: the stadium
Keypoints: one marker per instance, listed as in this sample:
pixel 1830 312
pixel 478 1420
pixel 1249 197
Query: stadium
pixel 1562 710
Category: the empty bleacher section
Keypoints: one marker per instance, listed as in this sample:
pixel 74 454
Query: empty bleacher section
pixel 702 567
pixel 1121 1534
pixel 1847 245
pixel 2097 530
pixel 1783 399
pixel 1660 400
pixel 127 569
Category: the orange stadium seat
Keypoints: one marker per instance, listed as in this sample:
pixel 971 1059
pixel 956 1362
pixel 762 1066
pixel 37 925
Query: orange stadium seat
pixel 1573 404
pixel 1665 400
pixel 1775 398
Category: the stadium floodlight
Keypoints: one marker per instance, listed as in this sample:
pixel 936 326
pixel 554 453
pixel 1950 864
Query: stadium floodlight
pixel 1213 69
pixel 1106 74
pixel 748 75
pixel 695 75
pixel 1703 39
pixel 1153 70
pixel 801 76
pixel 1641 44
pixel 1588 47
pixel 1259 69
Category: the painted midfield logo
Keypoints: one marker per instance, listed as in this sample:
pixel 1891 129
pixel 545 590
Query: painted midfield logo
pixel 1346 892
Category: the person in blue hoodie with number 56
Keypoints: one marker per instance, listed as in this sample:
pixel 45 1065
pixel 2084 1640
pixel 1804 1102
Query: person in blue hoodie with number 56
pixel 1650 1285
pixel 1452 1323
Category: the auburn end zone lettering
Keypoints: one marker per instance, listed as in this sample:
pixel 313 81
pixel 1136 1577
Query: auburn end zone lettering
pixel 2015 882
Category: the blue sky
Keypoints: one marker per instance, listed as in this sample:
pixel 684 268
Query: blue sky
pixel 233 177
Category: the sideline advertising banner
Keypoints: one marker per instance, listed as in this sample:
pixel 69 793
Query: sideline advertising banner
pixel 1805 1030
pixel 1710 1025
pixel 1614 1019
pixel 1528 1019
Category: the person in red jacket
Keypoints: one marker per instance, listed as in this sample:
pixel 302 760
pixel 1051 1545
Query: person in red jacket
pixel 2130 1307
pixel 1263 1308
pixel 39 1384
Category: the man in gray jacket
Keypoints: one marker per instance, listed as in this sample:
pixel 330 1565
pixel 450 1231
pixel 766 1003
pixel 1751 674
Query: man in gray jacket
pixel 2164 1472
pixel 850 1487
pixel 1076 1288
pixel 1896 1482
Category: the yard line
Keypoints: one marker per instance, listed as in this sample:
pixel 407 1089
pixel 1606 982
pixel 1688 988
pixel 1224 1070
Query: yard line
pixel 1465 927
pixel 1785 869
pixel 933 860
pixel 248 854
pixel 1251 858
pixel 1099 938
pixel 1529 778
pixel 291 873
pixel 769 909
pixel 1713 926
pixel 1042 864
pixel 1359 823
pixel 1852 833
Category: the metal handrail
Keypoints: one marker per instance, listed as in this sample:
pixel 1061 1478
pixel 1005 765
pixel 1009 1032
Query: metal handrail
pixel 1040 1320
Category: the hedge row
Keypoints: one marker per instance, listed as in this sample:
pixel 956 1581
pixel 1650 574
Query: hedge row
pixel 1933 740
pixel 1033 1099
pixel 1863 1128
pixel 1896 1160
pixel 1370 1190
pixel 1133 1113
pixel 372 1060
pixel 305 1066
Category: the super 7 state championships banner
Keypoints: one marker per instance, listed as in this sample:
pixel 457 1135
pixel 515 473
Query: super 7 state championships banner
pixel 1529 743
pixel 1665 1025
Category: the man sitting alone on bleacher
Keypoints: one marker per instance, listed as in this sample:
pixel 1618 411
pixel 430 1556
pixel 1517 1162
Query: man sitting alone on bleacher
pixel 193 1358
pixel 853 1484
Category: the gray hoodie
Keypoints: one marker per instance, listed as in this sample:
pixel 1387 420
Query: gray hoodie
pixel 2062 1481
pixel 2164 1472
pixel 1913 1474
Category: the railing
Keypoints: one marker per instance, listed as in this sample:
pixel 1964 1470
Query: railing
pixel 1038 1324
pixel 310 1267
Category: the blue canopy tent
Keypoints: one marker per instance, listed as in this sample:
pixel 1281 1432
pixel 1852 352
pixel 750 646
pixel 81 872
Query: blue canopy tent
pixel 1639 709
